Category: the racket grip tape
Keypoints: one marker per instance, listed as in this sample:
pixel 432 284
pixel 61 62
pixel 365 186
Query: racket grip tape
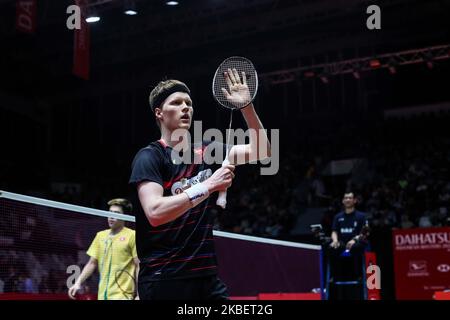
pixel 222 198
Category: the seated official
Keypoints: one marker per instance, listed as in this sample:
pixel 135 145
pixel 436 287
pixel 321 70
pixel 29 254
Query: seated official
pixel 350 230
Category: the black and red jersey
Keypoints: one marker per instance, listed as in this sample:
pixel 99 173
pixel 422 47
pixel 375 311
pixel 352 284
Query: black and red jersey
pixel 184 247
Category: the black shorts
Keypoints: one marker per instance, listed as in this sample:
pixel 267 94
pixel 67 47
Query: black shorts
pixel 202 288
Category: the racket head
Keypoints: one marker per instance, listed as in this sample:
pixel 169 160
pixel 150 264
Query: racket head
pixel 241 65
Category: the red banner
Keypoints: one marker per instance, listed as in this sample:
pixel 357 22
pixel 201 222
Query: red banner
pixel 44 296
pixel 26 16
pixel 421 262
pixel 289 296
pixel 81 48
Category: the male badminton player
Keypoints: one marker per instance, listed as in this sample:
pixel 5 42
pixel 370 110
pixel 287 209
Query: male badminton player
pixel 113 252
pixel 175 227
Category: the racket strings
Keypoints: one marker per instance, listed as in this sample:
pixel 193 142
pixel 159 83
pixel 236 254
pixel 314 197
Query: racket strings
pixel 229 91
pixel 241 65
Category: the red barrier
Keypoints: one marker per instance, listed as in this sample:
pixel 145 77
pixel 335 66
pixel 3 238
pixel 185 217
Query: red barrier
pixel 33 296
pixel 442 295
pixel 44 296
pixel 60 296
pixel 289 296
pixel 244 298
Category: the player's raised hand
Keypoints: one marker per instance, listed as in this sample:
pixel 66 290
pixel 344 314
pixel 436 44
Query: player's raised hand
pixel 238 92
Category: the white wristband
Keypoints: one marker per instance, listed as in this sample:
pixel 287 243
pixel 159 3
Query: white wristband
pixel 197 193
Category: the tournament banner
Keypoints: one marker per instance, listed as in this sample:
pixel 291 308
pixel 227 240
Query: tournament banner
pixel 81 47
pixel 26 16
pixel 421 262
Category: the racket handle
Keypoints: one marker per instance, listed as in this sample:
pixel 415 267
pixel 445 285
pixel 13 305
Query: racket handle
pixel 222 198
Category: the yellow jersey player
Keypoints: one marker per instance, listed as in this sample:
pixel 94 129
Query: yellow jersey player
pixel 113 252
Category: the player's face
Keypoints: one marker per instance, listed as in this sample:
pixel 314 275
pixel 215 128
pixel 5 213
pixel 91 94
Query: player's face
pixel 177 111
pixel 114 223
pixel 349 200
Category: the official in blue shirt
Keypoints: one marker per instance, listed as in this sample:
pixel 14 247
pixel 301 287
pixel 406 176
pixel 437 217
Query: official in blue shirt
pixel 350 227
pixel 349 241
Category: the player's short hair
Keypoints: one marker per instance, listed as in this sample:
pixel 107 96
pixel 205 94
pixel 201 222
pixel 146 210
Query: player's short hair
pixel 350 191
pixel 126 205
pixel 164 89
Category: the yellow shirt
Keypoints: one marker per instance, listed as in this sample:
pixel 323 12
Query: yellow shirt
pixel 115 263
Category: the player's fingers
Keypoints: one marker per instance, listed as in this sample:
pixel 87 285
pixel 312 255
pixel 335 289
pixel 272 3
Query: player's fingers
pixel 229 175
pixel 230 167
pixel 244 78
pixel 236 76
pixel 231 75
pixel 228 80
pixel 227 183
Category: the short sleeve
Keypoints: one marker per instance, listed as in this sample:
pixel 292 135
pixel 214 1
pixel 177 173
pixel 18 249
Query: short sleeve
pixel 94 249
pixel 334 226
pixel 147 166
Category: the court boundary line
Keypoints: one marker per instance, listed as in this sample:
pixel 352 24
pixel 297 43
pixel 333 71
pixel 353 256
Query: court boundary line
pixel 106 214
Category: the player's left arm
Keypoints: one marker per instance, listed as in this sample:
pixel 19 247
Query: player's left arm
pixel 136 262
pixel 136 275
pixel 259 146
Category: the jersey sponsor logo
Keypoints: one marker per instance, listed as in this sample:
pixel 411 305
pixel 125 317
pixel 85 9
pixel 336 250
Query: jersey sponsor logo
pixel 122 238
pixel 185 183
pixel 346 230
